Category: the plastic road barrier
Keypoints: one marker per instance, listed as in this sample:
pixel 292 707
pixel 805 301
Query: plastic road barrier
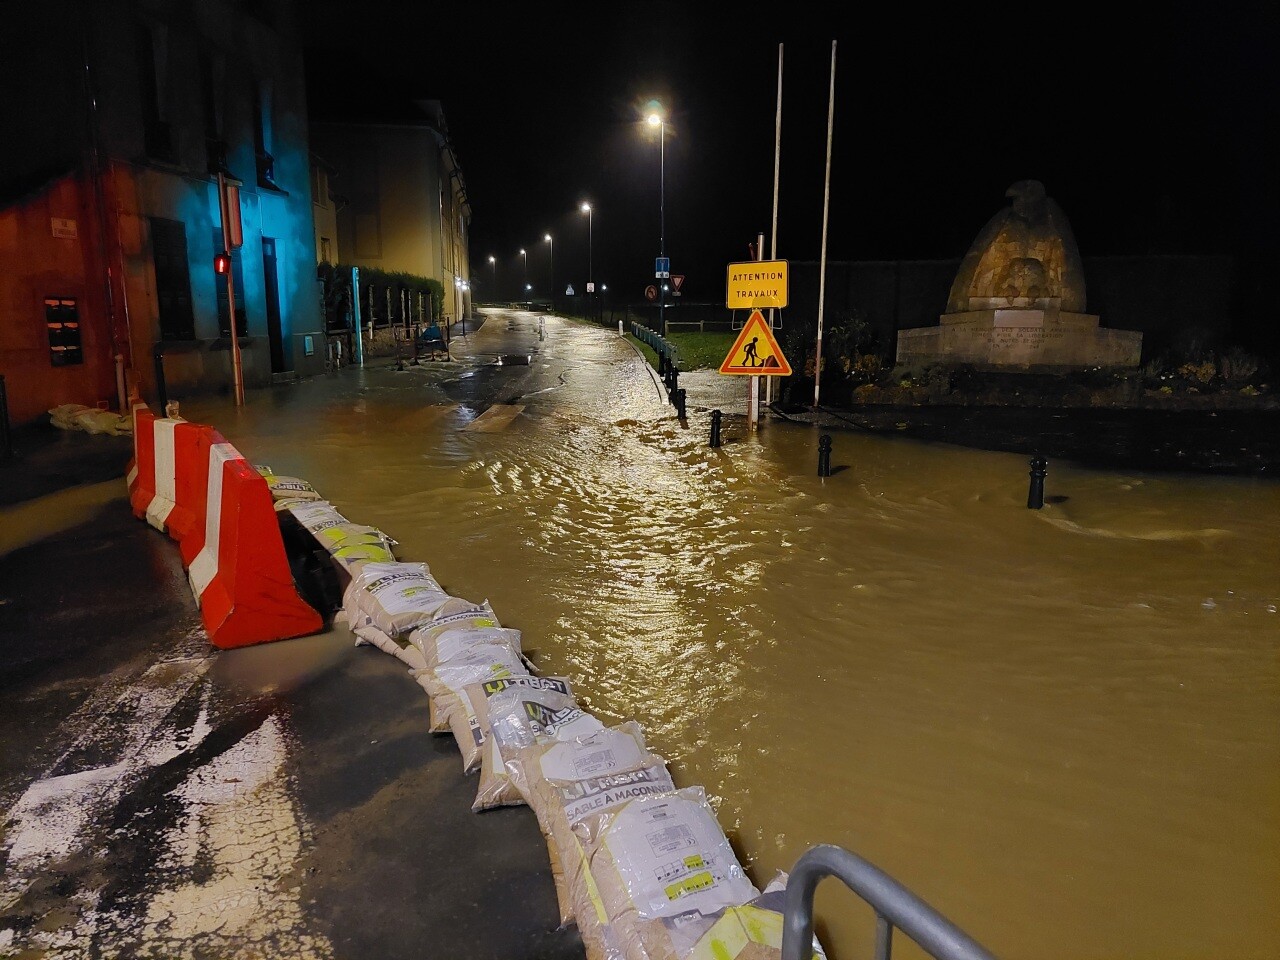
pixel 188 481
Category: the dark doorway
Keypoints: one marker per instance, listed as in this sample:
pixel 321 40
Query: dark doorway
pixel 271 279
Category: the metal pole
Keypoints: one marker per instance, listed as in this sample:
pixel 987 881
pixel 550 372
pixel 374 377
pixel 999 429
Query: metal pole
pixel 237 362
pixel 826 199
pixel 355 314
pixel 773 241
pixel 662 218
pixel 162 390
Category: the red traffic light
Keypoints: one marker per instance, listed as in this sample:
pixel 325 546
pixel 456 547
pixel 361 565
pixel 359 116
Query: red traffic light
pixel 222 263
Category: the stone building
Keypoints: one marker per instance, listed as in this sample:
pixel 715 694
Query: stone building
pixel 123 113
pixel 401 199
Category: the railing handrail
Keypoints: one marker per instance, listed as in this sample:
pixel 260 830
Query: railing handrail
pixel 894 906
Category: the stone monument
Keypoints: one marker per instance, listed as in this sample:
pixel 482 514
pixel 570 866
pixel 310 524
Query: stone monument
pixel 1018 301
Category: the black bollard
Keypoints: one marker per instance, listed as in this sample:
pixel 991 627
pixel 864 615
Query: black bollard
pixel 715 428
pixel 6 439
pixel 679 402
pixel 824 455
pixel 1035 494
pixel 157 354
pixel 674 373
pixel 662 364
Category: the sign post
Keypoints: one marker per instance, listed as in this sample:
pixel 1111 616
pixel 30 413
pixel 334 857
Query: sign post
pixel 756 285
pixel 229 208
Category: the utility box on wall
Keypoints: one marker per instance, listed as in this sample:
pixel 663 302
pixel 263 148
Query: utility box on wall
pixel 62 317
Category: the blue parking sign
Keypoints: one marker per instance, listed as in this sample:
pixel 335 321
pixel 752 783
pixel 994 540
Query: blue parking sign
pixel 662 267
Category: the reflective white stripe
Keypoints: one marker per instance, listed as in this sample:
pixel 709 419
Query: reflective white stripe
pixel 205 566
pixel 133 475
pixel 165 475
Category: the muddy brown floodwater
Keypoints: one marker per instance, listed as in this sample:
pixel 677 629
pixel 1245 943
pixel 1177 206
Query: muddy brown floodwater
pixel 1060 727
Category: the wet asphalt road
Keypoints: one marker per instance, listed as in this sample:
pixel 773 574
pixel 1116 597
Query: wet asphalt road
pixel 166 799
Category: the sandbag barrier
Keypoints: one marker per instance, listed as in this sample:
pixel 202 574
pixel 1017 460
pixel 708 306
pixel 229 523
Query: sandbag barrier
pixel 641 866
pixel 186 480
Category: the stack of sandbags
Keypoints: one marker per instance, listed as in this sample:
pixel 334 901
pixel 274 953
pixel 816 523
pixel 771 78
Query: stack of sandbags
pixel 76 416
pixel 641 867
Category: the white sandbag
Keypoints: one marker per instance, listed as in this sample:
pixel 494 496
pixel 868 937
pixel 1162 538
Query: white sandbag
pixel 517 714
pixel 64 416
pixel 396 597
pixel 752 931
pixel 427 636
pixel 333 537
pixel 289 487
pixel 659 864
pixel 445 682
pixel 407 654
pixel 565 782
pixel 314 515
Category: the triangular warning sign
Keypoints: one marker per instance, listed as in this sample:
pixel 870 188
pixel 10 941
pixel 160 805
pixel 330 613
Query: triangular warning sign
pixel 756 353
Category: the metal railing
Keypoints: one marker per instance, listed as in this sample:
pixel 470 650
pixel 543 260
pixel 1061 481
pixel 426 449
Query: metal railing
pixel 894 906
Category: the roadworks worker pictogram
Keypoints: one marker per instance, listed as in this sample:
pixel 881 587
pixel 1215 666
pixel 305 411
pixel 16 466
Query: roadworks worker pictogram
pixel 756 352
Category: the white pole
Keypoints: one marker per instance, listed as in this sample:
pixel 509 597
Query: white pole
pixel 753 392
pixel 826 198
pixel 773 241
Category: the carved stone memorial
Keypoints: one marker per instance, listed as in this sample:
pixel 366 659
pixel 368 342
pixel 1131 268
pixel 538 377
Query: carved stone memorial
pixel 1018 301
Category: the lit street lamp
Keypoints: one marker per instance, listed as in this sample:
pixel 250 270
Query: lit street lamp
pixel 655 119
pixel 586 208
pixel 493 266
pixel 551 269
pixel 524 259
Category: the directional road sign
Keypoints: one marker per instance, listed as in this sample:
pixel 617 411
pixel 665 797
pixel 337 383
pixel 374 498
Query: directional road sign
pixel 662 268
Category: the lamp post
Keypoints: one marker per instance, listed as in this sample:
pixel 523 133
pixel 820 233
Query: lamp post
pixel 551 267
pixel 590 291
pixel 493 266
pixel 656 120
pixel 524 260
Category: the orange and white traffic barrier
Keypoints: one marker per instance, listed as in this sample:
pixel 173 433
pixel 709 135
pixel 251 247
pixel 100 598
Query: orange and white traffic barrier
pixel 187 480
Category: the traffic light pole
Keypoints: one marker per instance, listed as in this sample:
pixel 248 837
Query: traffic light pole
pixel 237 363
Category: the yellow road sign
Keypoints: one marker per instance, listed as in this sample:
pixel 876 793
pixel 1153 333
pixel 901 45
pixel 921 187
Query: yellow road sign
pixel 756 353
pixel 756 285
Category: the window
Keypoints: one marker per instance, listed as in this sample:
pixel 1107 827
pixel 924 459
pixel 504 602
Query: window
pixel 326 250
pixel 262 133
pixel 63 320
pixel 319 186
pixel 173 279
pixel 212 74
pixel 224 306
pixel 152 51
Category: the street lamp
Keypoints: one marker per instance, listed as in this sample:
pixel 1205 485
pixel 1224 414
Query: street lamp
pixel 656 119
pixel 586 208
pixel 551 269
pixel 493 266
pixel 524 259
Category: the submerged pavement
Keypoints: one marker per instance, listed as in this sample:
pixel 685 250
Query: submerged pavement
pixel 161 798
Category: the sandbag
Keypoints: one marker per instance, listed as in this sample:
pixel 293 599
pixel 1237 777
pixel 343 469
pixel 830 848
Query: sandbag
pixel 516 714
pixel 661 865
pixel 445 682
pixel 564 782
pixel 290 488
pixel 406 653
pixel 752 931
pixel 396 597
pixel 314 515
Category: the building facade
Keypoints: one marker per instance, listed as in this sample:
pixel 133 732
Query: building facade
pixel 399 199
pixel 127 111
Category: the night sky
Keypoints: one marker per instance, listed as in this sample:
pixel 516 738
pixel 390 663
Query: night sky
pixel 1152 126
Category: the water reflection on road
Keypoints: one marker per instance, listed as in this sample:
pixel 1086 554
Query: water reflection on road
pixel 1058 726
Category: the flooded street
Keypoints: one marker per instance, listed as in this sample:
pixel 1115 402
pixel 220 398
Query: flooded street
pixel 1059 727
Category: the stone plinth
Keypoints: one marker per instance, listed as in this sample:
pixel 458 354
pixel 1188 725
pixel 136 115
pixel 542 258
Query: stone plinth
pixel 1031 336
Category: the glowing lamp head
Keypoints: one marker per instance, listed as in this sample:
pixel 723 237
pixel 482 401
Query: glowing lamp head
pixel 222 264
pixel 654 119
